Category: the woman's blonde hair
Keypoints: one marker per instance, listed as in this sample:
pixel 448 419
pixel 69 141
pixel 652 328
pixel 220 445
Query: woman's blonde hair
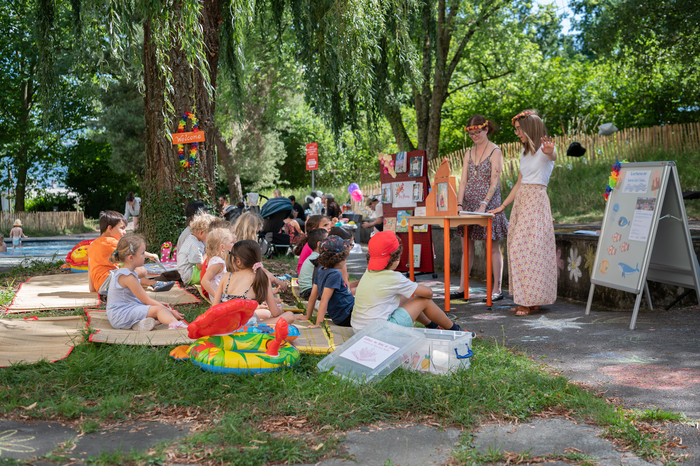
pixel 533 128
pixel 215 239
pixel 201 222
pixel 247 226
pixel 127 245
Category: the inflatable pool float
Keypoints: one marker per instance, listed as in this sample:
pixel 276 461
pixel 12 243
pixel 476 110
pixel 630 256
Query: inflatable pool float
pixel 77 259
pixel 269 329
pixel 223 346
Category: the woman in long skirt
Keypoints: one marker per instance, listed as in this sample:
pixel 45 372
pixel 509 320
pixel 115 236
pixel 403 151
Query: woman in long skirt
pixel 532 269
pixel 479 191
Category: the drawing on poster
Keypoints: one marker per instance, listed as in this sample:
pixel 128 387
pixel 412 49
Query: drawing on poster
pixel 442 197
pixel 612 250
pixel 655 181
pixel 636 181
pixel 416 255
pixel 402 192
pixel 616 237
pixel 643 216
pixel 627 269
pixel 624 247
pixel 402 221
pixel 623 222
pixel 369 352
pixel 604 266
pixel 386 193
pixel 615 208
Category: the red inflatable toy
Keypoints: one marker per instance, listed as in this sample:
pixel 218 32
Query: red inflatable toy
pixel 222 319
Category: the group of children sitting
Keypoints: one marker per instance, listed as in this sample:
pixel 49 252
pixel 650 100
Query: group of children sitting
pixel 226 261
pixel 208 255
pixel 381 293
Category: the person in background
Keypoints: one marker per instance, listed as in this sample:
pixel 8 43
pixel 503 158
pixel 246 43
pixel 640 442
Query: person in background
pixel 301 215
pixel 133 209
pixel 532 259
pixel 306 274
pixel 225 207
pixel 190 211
pixel 302 249
pixel 479 191
pixel 17 234
pixel 377 223
pixel 190 258
pixel 276 193
pixel 332 207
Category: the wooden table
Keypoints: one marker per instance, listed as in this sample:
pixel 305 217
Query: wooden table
pixel 454 221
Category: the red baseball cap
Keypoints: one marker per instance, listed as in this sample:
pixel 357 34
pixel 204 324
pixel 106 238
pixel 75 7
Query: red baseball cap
pixel 381 245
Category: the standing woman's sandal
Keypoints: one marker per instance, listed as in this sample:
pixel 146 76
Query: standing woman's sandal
pixel 526 311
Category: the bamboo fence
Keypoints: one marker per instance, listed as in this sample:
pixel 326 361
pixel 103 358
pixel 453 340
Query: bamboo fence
pixel 624 144
pixel 42 221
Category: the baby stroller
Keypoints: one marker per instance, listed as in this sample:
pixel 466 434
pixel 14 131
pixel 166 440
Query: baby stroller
pixel 273 213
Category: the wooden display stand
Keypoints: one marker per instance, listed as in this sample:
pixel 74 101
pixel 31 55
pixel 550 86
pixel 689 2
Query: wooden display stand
pixel 443 199
pixel 425 239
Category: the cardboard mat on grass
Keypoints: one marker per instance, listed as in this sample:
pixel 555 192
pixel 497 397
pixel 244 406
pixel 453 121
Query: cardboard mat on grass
pixel 39 338
pixel 70 291
pixel 160 336
pixel 322 340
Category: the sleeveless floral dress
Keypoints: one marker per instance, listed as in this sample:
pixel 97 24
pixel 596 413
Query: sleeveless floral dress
pixel 478 185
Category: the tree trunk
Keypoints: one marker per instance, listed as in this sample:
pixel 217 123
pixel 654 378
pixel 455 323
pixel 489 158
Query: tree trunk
pixel 422 96
pixel 229 162
pixel 167 186
pixel 21 161
pixel 21 186
pixel 392 112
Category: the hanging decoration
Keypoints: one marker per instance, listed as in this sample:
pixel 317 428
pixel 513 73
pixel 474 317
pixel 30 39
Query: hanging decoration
pixel 193 138
pixel 612 179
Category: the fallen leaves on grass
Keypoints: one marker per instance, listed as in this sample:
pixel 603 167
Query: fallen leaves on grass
pixel 292 425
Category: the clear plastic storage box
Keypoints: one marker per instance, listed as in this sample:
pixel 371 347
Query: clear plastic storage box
pixel 381 347
pixel 374 352
pixel 440 352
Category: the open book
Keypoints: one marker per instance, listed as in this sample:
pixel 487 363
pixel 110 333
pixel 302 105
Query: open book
pixel 483 214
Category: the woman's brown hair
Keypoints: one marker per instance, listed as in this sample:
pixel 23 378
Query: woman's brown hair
pixel 312 223
pixel 491 127
pixel 127 245
pixel 533 128
pixel 248 252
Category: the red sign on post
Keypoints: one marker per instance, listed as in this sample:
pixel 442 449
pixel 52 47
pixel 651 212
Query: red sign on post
pixel 312 156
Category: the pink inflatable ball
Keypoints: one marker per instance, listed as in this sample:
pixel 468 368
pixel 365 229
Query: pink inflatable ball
pixel 352 188
pixel 356 195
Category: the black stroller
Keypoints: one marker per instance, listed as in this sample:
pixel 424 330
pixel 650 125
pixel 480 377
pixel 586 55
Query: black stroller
pixel 270 238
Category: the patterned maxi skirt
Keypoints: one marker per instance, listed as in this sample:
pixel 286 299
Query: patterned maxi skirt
pixel 532 261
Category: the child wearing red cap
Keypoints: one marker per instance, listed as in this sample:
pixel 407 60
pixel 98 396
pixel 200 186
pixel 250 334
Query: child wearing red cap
pixel 329 285
pixel 386 294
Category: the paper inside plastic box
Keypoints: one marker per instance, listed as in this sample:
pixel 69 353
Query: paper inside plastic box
pixel 372 353
pixel 442 352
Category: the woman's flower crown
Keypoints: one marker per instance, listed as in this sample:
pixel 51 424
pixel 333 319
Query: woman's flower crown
pixel 477 127
pixel 519 116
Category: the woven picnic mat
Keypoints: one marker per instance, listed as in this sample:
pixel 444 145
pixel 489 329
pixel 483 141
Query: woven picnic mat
pixel 320 340
pixel 62 291
pixel 160 336
pixel 41 338
pixel 176 295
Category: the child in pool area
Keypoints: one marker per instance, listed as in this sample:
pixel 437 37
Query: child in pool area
pixel 128 305
pixel 248 280
pixel 386 294
pixel 17 234
pixel 336 299
pixel 219 243
pixel 3 246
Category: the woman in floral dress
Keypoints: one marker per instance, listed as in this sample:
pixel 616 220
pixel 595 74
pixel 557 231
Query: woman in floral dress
pixel 480 190
pixel 532 260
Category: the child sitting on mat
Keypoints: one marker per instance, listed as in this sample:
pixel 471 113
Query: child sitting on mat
pixel 306 275
pixel 190 257
pixel 329 285
pixel 128 305
pixel 248 280
pixel 386 294
pixel 112 228
pixel 347 236
pixel 219 243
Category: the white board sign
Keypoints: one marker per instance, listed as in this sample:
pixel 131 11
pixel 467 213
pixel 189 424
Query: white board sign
pixel 645 234
pixel 369 352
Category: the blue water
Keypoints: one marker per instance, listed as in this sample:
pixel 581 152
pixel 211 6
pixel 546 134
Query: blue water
pixel 41 248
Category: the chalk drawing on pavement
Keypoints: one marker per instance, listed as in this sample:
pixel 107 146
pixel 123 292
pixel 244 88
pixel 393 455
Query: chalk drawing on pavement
pixel 554 324
pixel 653 377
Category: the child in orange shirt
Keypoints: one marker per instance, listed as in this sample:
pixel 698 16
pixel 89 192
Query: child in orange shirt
pixel 112 228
